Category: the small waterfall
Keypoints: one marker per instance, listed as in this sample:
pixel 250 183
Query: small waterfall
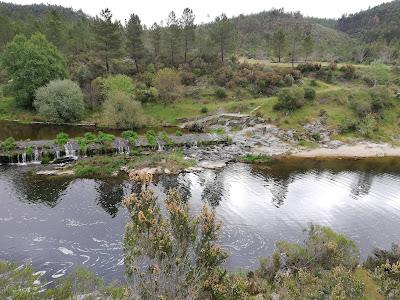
pixel 69 150
pixel 57 154
pixel 127 150
pixel 121 150
pixel 23 158
pixel 36 156
pixel 160 147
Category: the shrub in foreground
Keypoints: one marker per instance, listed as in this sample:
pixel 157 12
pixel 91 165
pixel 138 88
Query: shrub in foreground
pixel 290 99
pixel 179 252
pixel 60 101
pixel 168 84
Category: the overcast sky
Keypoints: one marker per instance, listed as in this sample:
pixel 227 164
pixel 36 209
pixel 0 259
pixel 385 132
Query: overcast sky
pixel 151 11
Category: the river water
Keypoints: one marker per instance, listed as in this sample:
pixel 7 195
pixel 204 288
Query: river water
pixel 60 223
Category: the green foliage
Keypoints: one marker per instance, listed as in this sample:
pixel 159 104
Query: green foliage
pixel 61 139
pixel 9 144
pixel 349 71
pixel 130 136
pixel 309 93
pixel 180 246
pixel 134 32
pixel 115 84
pixel 18 282
pixel 381 256
pixel 290 99
pixel 388 277
pixel 223 35
pixel 151 137
pixel 31 63
pixel 220 93
pixel 120 111
pixel 166 139
pixel 105 138
pixel 90 138
pixel 168 84
pixel 251 158
pixel 178 133
pixel 204 110
pixel 219 130
pixel 145 94
pixel 60 101
pixel 98 166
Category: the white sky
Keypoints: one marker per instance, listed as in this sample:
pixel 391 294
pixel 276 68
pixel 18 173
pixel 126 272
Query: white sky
pixel 151 11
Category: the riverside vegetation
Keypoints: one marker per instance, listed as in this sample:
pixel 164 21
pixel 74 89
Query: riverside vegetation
pixel 175 255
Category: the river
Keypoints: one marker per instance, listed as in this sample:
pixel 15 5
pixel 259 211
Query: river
pixel 60 223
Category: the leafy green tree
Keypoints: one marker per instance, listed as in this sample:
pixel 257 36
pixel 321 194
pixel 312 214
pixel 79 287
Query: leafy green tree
pixel 279 43
pixel 54 29
pixel 60 101
pixel 295 39
pixel 188 27
pixel 223 35
pixel 134 32
pixel 172 255
pixel 121 111
pixel 155 38
pixel 108 37
pixel 31 63
pixel 168 84
pixel 7 30
pixel 172 36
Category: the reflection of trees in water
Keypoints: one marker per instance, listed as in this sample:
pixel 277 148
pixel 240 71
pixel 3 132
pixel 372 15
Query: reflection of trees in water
pixel 362 185
pixel 213 190
pixel 181 182
pixel 111 193
pixel 279 191
pixel 41 189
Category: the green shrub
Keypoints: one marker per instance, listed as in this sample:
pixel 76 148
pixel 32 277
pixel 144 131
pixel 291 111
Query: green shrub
pixel 309 93
pixel 380 98
pixel 117 84
pixel 178 133
pixel 151 137
pixel 9 144
pixel 288 80
pixel 45 159
pixel 349 71
pixel 120 111
pixel 90 137
pixel 168 84
pixel 165 137
pixel 220 93
pixel 290 99
pixel 367 126
pixel 381 256
pixel 347 125
pixel 105 138
pixel 313 83
pixel 204 110
pixel 130 136
pixel 146 94
pixel 60 101
pixel 220 130
pixel 61 139
pixel 187 78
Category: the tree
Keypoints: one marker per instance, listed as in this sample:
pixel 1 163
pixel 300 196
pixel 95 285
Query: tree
pixel 279 43
pixel 172 36
pixel 295 38
pixel 188 26
pixel 308 42
pixel 108 37
pixel 60 101
pixel 121 111
pixel 168 84
pixel 155 37
pixel 7 31
pixel 54 29
pixel 172 255
pixel 223 35
pixel 31 63
pixel 134 32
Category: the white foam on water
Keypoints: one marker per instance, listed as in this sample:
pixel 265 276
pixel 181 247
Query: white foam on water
pixel 65 251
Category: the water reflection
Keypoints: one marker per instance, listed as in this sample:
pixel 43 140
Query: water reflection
pixel 63 222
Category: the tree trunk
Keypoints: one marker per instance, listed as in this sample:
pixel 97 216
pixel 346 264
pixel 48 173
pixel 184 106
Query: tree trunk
pixel 107 65
pixel 186 49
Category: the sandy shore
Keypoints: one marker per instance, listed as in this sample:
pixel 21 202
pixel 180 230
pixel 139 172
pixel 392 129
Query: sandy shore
pixel 364 149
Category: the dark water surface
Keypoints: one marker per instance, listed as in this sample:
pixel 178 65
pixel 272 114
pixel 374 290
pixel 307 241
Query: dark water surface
pixel 59 223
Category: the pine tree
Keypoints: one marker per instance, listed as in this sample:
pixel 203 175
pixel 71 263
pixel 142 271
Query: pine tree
pixel 279 43
pixel 134 32
pixel 188 26
pixel 155 37
pixel 172 36
pixel 108 37
pixel 223 35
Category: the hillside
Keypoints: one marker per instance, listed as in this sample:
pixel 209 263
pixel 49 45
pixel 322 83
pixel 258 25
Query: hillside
pixel 255 33
pixel 380 22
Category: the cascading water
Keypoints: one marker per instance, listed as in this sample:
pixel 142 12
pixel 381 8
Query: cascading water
pixel 69 150
pixel 23 156
pixel 57 154
pixel 36 156
pixel 160 146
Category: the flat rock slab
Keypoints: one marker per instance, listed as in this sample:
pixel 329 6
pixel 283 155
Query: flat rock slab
pixel 56 173
pixel 206 164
